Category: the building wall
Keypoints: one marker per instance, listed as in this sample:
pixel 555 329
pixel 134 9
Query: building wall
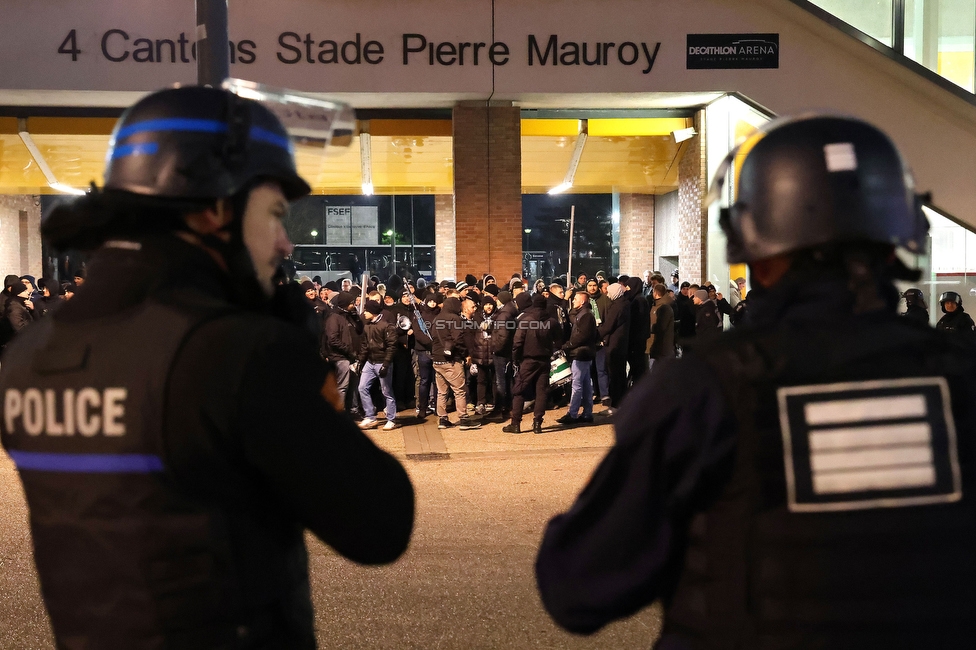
pixel 636 233
pixel 692 215
pixel 20 236
pixel 666 227
pixel 444 237
pixel 487 189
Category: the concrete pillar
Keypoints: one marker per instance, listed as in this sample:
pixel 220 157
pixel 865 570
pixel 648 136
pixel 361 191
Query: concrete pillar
pixel 636 234
pixel 444 237
pixel 487 189
pixel 692 212
pixel 20 235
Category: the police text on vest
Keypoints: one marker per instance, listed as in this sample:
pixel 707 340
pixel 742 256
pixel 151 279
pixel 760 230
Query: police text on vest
pixel 88 411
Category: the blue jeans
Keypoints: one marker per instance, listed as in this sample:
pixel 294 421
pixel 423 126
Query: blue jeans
pixel 370 373
pixel 582 389
pixel 602 375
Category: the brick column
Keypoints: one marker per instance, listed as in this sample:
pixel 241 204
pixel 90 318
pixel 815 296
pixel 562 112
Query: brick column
pixel 692 212
pixel 444 237
pixel 20 235
pixel 636 233
pixel 487 189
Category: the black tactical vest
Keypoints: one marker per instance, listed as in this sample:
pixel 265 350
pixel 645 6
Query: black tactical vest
pixel 847 520
pixel 125 558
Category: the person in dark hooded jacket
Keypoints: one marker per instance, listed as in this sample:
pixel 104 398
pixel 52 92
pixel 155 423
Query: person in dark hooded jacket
pixel 640 330
pixel 343 330
pixel 502 335
pixel 479 347
pixel 615 333
pixel 532 350
pixel 428 306
pixel 375 360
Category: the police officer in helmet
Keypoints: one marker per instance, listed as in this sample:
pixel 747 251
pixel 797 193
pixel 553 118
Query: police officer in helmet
pixel 804 480
pixel 915 307
pixel 174 438
pixel 956 320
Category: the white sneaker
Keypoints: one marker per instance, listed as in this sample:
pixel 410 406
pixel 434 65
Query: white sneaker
pixel 368 423
pixel 391 425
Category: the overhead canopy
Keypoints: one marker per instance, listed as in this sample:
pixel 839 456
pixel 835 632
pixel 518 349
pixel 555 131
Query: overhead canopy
pixel 409 156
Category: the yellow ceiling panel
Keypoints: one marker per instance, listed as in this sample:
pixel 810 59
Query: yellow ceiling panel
pixel 409 127
pixel 625 164
pixel 76 160
pixel 550 127
pixel 645 126
pixel 19 173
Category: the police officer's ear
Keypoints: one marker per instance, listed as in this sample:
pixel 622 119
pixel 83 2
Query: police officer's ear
pixel 212 220
pixel 770 270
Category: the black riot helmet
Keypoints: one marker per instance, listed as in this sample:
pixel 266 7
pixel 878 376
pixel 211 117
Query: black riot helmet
pixel 815 180
pixel 199 143
pixel 950 296
pixel 914 297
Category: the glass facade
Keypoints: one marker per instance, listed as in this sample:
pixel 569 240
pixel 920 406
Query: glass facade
pixel 938 34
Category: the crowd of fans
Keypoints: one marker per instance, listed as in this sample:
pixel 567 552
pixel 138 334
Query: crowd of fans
pixel 486 351
pixel 490 352
pixel 24 300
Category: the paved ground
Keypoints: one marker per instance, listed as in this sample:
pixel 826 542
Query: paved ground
pixel 467 579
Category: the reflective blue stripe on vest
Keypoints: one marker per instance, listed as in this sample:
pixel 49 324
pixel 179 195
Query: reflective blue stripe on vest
pixel 87 463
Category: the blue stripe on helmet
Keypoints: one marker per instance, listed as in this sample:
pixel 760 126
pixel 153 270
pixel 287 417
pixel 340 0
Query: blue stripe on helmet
pixel 172 124
pixel 87 463
pixel 269 137
pixel 142 148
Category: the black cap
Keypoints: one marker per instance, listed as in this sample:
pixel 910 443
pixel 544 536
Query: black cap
pixel 332 285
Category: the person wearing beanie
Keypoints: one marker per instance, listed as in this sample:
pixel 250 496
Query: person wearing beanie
pixel 501 334
pixel 580 350
pixel 343 330
pixel 478 312
pixel 491 289
pixel 449 354
pixel 516 287
pixel 614 331
pixel 375 358
pixel 470 280
pixel 17 310
pixel 421 284
pixel 523 301
pixel 532 348
pixel 11 287
pixel 708 322
pixel 311 293
pixel 488 281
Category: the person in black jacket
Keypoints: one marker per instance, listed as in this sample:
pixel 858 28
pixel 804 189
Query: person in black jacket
pixel 375 357
pixel 532 349
pixel 17 309
pixel 661 345
pixel 581 350
pixel 502 334
pixel 915 304
pixel 479 347
pixel 615 334
pixel 640 330
pixel 172 511
pixel 708 322
pixel 449 353
pixel 343 332
pixel 956 320
pixel 421 322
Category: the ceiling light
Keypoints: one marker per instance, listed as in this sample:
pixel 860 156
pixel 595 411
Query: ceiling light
pixel 366 161
pixel 38 157
pixel 680 135
pixel 314 233
pixel 67 189
pixel 573 161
